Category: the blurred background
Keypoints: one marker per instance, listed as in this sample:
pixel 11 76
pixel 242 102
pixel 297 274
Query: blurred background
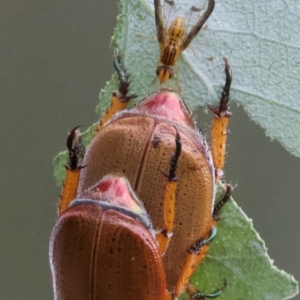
pixel 55 58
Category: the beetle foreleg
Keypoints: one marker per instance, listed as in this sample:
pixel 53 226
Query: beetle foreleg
pixel 75 154
pixel 220 123
pixel 164 236
pixel 120 99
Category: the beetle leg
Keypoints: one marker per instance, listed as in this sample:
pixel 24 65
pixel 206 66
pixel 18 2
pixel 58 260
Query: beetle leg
pixel 164 236
pixel 196 294
pixel 218 206
pixel 75 155
pixel 120 99
pixel 220 123
pixel 196 255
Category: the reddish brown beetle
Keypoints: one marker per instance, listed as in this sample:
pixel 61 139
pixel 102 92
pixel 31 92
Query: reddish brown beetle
pixel 138 144
pixel 103 247
pixel 104 242
pixel 144 138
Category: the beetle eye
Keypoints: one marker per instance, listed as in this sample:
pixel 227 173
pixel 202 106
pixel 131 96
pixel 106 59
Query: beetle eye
pixel 164 73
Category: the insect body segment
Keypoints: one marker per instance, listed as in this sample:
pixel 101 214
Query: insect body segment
pixel 175 39
pixel 170 49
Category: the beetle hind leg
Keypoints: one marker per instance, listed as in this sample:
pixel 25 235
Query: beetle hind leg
pixel 164 236
pixel 119 99
pixel 196 254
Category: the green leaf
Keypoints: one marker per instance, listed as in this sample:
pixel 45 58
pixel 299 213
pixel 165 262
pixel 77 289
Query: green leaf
pixel 238 254
pixel 262 47
pixel 263 50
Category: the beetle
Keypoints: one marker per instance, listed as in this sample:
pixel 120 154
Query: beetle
pixel 165 157
pixel 103 247
pixel 175 38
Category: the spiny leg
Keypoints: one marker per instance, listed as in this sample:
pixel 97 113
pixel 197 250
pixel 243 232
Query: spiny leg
pixel 75 155
pixel 219 205
pixel 120 99
pixel 196 254
pixel 220 123
pixel 164 236
pixel 193 264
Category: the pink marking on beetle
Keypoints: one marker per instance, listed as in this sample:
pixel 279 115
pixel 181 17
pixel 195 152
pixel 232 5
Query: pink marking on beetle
pixel 116 190
pixel 103 186
pixel 113 186
pixel 168 105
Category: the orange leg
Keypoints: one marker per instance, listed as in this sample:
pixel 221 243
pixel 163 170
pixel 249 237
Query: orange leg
pixel 73 168
pixel 193 261
pixel 220 123
pixel 218 206
pixel 164 236
pixel 120 99
pixel 196 255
